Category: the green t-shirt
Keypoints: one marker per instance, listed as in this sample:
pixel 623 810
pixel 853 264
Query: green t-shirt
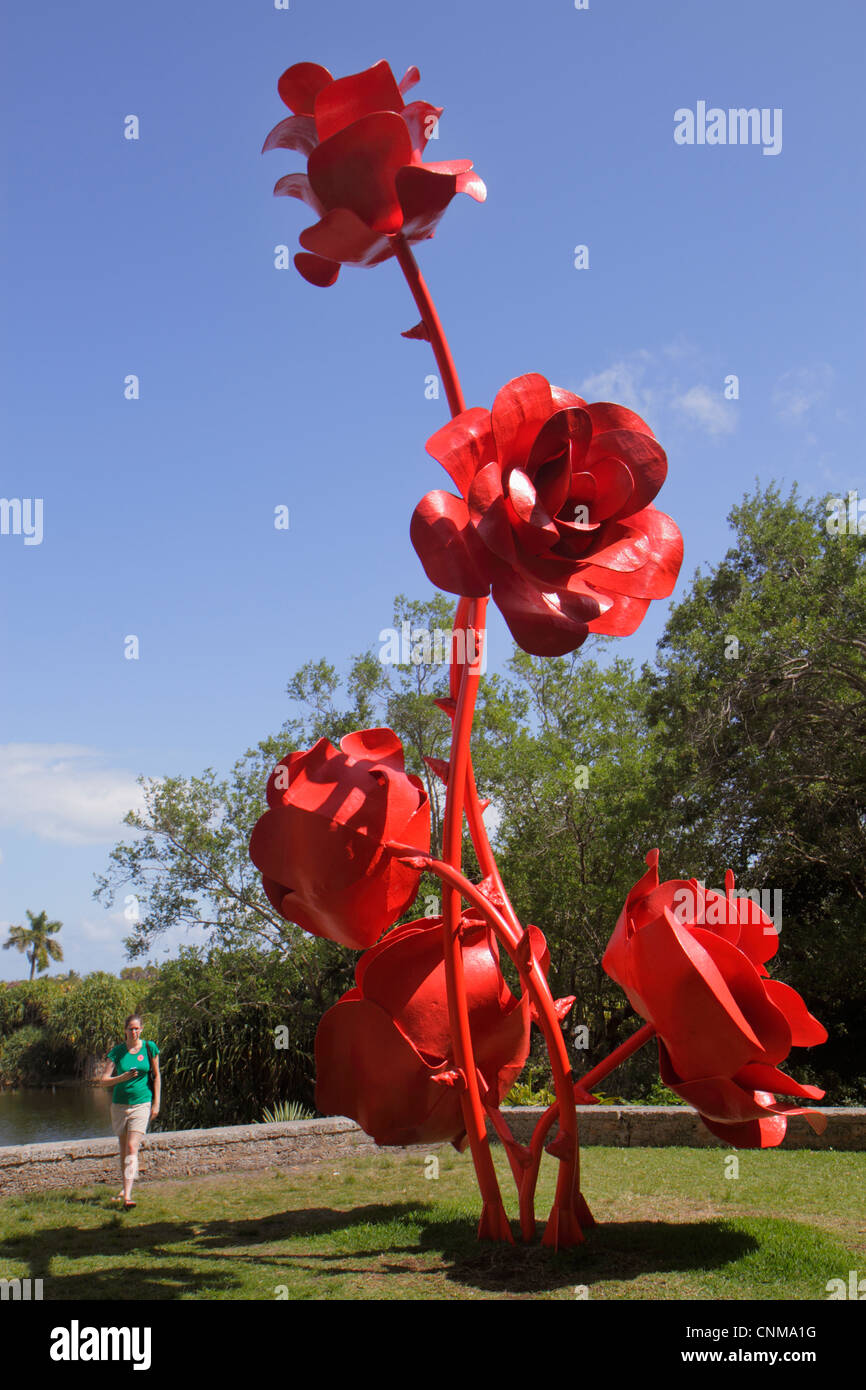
pixel 135 1091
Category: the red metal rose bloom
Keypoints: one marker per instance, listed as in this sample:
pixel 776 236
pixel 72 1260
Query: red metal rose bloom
pixel 365 176
pixel 692 964
pixel 554 515
pixel 320 846
pixel 384 1054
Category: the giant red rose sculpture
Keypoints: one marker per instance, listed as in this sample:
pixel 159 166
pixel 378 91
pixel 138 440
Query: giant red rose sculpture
pixel 320 846
pixel 554 515
pixel 384 1054
pixel 365 176
pixel 692 964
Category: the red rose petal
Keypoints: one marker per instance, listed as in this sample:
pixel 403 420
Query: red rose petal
pixel 613 490
pixel 449 549
pixel 409 79
pixel 298 186
pixel 806 1031
pixel 472 184
pixel 316 270
pixel 293 133
pixel 747 987
pixel 300 84
pixel 520 409
pixel 645 564
pixel 757 1076
pixel 533 524
pixel 565 432
pixel 766 1133
pixel 644 457
pixel 341 237
pixel 350 99
pixel 564 400
pixel 623 616
pixel 423 198
pixel 357 1045
pixel 541 624
pixel 690 1001
pixel 605 415
pixel 355 169
pixel 464 446
pixel 374 746
pixel 420 118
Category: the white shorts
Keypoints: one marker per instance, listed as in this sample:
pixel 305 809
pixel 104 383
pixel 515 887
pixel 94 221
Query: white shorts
pixel 133 1118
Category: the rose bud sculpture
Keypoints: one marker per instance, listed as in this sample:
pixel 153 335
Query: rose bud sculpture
pixel 365 179
pixel 554 518
pixel 384 1054
pixel 692 964
pixel 320 846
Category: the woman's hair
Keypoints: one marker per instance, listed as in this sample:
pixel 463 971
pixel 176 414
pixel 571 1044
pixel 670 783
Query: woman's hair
pixel 131 1017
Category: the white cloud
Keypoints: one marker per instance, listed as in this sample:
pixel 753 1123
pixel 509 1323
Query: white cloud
pixel 64 792
pixel 643 382
pixel 623 382
pixel 104 932
pixel 798 390
pixel 707 409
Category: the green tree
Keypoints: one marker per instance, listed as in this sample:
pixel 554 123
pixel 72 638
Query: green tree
pixel 759 701
pixel 35 941
pixel 190 863
pixel 89 1018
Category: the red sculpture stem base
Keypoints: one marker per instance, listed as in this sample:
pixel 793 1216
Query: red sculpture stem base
pixel 582 1089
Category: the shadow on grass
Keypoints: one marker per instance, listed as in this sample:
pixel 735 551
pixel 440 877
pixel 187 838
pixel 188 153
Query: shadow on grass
pixel 122 1234
pixel 612 1251
pixel 416 1241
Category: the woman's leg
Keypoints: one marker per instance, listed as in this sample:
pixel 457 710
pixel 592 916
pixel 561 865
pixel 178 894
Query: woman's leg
pixel 133 1143
pixel 130 1167
pixel 122 1140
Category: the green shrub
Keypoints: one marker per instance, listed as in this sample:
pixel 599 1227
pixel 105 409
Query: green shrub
pixel 236 1031
pixel 286 1111
pixel 88 1018
pixel 29 1058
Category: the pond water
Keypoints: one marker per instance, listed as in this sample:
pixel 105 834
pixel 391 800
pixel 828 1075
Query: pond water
pixel 62 1112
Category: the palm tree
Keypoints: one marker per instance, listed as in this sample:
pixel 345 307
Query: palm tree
pixel 36 942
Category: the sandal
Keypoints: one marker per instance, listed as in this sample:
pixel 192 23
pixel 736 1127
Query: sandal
pixel 127 1206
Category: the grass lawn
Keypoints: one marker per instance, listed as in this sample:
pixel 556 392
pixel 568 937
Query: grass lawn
pixel 671 1226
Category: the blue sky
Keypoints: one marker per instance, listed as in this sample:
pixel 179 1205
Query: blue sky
pixel 155 257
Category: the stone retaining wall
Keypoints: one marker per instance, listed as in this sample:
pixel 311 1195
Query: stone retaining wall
pixel 191 1152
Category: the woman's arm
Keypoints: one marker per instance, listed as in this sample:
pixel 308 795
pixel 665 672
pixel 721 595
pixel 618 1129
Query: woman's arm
pixel 157 1087
pixel 108 1077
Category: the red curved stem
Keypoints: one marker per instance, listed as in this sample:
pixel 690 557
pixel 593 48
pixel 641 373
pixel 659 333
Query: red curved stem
pixel 494 1222
pixel 582 1088
pixel 430 319
pixel 563 1226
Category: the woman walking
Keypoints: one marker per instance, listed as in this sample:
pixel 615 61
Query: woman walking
pixel 133 1071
